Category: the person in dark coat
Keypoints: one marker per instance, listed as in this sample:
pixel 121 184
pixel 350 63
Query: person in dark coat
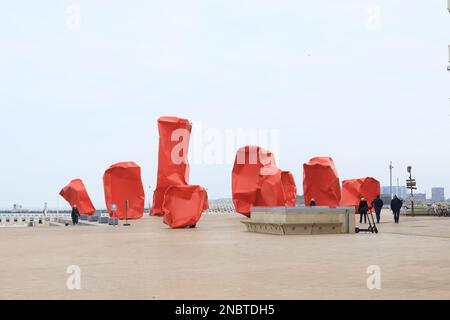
pixel 75 215
pixel 312 203
pixel 396 206
pixel 363 208
pixel 378 204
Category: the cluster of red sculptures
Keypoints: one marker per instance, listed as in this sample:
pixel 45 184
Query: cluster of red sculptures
pixel 124 192
pixel 321 183
pixel 180 204
pixel 256 181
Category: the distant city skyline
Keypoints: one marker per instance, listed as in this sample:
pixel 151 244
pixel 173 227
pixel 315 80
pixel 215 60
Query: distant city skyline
pixel 83 84
pixel 438 194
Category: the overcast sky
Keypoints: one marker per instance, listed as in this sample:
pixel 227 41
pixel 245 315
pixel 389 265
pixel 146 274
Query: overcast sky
pixel 364 82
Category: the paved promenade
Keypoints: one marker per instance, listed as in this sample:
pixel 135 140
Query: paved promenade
pixel 220 260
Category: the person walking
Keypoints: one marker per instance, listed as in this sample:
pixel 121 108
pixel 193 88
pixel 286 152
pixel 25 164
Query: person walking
pixel 396 206
pixel 75 215
pixel 362 209
pixel 312 203
pixel 378 204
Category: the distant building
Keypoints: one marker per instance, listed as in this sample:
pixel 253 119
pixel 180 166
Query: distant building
pixel 420 196
pixel 437 194
pixel 386 199
pixel 386 190
pixel 400 191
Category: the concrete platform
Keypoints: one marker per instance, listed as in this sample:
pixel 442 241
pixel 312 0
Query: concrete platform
pixel 221 260
pixel 301 220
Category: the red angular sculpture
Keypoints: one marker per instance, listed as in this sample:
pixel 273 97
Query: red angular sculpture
pixel 355 189
pixel 256 181
pixel 173 166
pixel 184 205
pixel 321 182
pixel 122 181
pixel 76 194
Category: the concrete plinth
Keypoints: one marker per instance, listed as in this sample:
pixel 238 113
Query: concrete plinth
pixel 301 220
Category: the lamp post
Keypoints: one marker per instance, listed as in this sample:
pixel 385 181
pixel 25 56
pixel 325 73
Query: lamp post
pixel 390 179
pixel 126 224
pixel 398 187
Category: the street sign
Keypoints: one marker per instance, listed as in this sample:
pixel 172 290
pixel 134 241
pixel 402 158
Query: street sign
pixel 411 184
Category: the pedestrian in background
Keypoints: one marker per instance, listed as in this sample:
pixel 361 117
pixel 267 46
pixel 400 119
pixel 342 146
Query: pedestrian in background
pixel 363 208
pixel 396 206
pixel 75 215
pixel 378 204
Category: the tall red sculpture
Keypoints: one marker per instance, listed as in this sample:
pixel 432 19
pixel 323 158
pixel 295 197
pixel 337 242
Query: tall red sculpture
pixel 355 189
pixel 180 203
pixel 183 205
pixel 173 166
pixel 75 194
pixel 122 182
pixel 321 182
pixel 256 181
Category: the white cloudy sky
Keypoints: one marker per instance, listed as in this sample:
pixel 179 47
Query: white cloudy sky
pixel 332 77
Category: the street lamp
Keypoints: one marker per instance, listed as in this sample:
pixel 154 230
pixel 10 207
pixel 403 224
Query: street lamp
pixel 390 178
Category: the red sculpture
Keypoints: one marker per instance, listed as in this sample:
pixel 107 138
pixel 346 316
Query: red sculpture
pixel 122 182
pixel 183 205
pixel 256 181
pixel 173 166
pixel 321 182
pixel 76 194
pixel 354 190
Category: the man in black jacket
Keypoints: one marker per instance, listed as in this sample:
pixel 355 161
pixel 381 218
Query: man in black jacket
pixel 378 204
pixel 396 206
pixel 75 215
pixel 363 208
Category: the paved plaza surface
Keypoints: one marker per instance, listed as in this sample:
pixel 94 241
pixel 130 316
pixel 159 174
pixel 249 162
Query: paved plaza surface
pixel 221 260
